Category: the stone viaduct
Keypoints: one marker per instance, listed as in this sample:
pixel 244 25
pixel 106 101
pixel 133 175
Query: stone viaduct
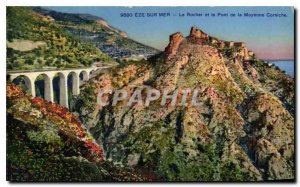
pixel 48 75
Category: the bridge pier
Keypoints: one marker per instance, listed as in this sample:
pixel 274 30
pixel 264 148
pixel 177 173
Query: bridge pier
pixel 63 90
pixel 48 90
pixel 29 83
pixel 75 83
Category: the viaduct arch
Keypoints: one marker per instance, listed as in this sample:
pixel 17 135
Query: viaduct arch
pixel 29 78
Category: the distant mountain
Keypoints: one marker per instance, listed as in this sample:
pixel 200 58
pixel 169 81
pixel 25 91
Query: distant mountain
pixel 96 30
pixel 74 18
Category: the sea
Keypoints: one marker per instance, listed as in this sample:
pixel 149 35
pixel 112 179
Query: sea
pixel 285 65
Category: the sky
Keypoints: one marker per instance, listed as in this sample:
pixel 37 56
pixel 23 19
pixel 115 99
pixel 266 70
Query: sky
pixel 269 37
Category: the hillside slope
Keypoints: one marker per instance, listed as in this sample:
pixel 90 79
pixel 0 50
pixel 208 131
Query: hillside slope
pixel 96 30
pixel 242 131
pixel 47 143
pixel 35 41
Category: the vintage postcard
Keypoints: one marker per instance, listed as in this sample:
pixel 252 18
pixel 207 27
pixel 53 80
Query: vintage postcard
pixel 150 94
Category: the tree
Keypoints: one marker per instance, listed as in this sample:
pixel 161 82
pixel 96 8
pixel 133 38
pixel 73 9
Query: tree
pixel 29 61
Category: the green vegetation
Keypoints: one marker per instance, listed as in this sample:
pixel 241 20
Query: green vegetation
pixel 37 156
pixel 61 49
pixel 207 166
pixel 229 52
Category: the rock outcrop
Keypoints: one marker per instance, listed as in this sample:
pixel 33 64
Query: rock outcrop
pixel 174 42
pixel 197 33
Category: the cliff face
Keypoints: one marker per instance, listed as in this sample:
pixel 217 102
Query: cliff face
pixel 243 130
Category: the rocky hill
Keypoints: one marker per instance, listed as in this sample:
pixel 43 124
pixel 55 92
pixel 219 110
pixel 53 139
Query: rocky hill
pixel 92 29
pixel 243 129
